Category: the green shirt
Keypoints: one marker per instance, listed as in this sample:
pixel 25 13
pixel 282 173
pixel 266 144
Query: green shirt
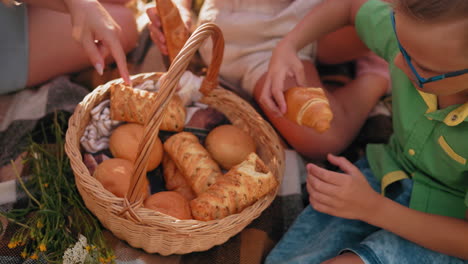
pixel 429 145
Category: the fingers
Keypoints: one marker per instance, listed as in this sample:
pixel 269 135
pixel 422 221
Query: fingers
pixel 318 185
pixel 153 16
pixel 120 58
pixel 299 74
pixel 280 101
pixel 324 175
pixel 93 53
pixel 159 39
pixel 111 42
pixel 103 50
pixel 277 85
pixel 155 30
pixel 319 200
pixel 266 97
pixel 343 164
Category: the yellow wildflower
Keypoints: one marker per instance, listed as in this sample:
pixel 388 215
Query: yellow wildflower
pixel 88 248
pixel 12 244
pixel 102 260
pixel 46 185
pixel 24 254
pixel 42 247
pixel 34 256
pixel 39 225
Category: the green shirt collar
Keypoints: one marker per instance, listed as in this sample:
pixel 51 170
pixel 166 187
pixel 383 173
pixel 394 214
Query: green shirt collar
pixel 451 116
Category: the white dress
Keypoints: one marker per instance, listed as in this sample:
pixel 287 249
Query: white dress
pixel 251 30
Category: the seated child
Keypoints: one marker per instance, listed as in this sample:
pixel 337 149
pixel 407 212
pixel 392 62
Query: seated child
pixel 421 215
pixel 251 29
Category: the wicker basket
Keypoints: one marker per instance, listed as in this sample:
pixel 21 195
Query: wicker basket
pixel 148 229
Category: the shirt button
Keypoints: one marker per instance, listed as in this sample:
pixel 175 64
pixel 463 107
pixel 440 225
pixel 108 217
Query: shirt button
pixel 411 152
pixel 454 117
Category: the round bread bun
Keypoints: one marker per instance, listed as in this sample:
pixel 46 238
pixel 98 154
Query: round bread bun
pixel 123 143
pixel 115 174
pixel 229 145
pixel 170 203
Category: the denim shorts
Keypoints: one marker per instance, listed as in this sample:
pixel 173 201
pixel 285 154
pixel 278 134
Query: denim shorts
pixel 316 237
pixel 14 48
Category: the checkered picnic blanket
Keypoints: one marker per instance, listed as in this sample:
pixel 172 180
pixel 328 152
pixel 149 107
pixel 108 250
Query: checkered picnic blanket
pixel 20 113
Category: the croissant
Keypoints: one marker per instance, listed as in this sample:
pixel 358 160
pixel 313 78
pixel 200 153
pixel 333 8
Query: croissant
pixel 134 105
pixel 239 188
pixel 193 160
pixel 173 27
pixel 309 107
pixel 175 180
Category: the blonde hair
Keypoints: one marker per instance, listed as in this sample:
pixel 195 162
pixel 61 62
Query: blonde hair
pixel 434 9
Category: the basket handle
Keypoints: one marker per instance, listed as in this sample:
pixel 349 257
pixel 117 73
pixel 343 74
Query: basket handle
pixel 168 86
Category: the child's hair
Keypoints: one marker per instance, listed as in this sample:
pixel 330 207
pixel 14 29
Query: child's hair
pixel 434 9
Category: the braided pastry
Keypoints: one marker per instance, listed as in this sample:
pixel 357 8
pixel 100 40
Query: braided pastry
pixel 175 180
pixel 239 188
pixel 193 160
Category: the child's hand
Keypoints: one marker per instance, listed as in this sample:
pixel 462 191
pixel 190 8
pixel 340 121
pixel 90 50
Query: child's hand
pixel 283 63
pixel 346 195
pixel 155 26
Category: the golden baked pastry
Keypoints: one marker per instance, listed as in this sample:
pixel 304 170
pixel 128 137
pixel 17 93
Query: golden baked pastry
pixel 229 145
pixel 193 160
pixel 239 188
pixel 170 203
pixel 134 105
pixel 124 142
pixel 115 174
pixel 308 106
pixel 173 27
pixel 175 180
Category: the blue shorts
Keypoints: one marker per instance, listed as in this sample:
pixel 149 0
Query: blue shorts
pixel 316 237
pixel 14 48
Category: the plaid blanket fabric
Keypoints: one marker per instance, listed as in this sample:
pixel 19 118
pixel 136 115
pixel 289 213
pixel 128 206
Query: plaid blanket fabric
pixel 249 246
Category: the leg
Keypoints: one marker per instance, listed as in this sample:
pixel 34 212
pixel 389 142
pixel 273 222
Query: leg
pixel 340 46
pixel 53 51
pixel 346 258
pixel 350 104
pixel 315 237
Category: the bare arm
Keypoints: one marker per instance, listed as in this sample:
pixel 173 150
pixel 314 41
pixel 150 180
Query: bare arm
pixel 328 17
pixel 325 18
pixel 439 233
pixel 349 195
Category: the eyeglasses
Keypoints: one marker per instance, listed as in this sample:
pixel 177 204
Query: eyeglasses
pixel 421 80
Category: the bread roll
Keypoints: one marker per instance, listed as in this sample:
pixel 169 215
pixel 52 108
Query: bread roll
pixel 134 105
pixel 309 107
pixel 239 188
pixel 124 141
pixel 115 174
pixel 229 145
pixel 173 27
pixel 170 203
pixel 193 160
pixel 175 180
